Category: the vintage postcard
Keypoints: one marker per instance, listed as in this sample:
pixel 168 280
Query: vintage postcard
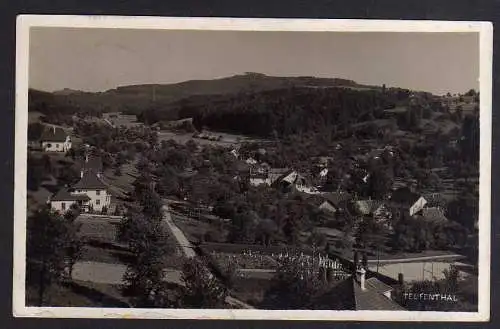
pixel 218 168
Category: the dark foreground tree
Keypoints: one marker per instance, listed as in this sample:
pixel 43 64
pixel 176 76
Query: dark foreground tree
pixel 147 239
pixel 53 247
pixel 201 288
pixel 294 285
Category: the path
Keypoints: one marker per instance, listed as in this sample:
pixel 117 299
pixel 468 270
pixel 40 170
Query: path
pixel 182 241
pixel 189 252
pixel 415 259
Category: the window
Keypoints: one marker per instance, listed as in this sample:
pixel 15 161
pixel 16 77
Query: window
pixel 57 146
pixel 97 202
pixel 98 192
pixel 63 206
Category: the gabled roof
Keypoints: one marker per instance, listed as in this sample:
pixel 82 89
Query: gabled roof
pixel 93 163
pixel 348 295
pixel 65 195
pixel 54 134
pixel 90 181
pixel 372 300
pixel 404 196
pixel 377 285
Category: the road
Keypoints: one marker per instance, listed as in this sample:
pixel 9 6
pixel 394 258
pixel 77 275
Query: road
pixel 189 252
pixel 182 241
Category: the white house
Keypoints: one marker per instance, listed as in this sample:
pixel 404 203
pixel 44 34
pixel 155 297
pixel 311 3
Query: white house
pixel 55 139
pixel 299 182
pixel 90 193
pixel 93 187
pixel 64 199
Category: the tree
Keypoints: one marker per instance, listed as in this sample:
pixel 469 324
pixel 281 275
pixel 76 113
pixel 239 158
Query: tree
pixel 35 131
pixel 201 288
pixel 147 240
pixel 52 245
pixel 294 285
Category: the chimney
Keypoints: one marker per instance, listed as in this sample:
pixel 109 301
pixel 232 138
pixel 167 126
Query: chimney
pixel 361 276
pixel 400 278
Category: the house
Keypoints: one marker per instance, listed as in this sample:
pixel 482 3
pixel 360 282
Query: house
pixel 404 198
pixel 90 193
pixel 64 199
pixel 55 139
pixel 334 201
pixel 93 187
pixel 297 181
pixel 264 174
pixel 357 293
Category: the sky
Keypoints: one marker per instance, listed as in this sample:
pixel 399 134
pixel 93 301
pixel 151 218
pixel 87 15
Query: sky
pixel 102 59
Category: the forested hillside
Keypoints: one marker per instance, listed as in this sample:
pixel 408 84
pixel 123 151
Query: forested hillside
pixel 165 99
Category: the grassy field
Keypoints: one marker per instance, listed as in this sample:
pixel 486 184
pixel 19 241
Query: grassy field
pixel 193 229
pixel 79 294
pixel 227 140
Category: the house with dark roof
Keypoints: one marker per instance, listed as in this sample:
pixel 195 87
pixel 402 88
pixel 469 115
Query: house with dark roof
pixel 90 193
pixel 64 199
pixel 296 181
pixel 55 139
pixel 407 200
pixel 357 293
pixel 332 201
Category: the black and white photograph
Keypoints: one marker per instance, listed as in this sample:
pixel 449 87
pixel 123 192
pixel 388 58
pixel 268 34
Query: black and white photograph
pixel 252 168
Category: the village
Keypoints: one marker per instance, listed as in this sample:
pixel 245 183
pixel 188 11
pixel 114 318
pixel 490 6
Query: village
pixel 334 220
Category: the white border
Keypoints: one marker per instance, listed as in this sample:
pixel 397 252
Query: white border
pixel 24 22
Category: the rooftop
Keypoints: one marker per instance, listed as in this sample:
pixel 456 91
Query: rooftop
pixel 90 181
pixel 54 134
pixel 348 295
pixel 92 163
pixel 65 195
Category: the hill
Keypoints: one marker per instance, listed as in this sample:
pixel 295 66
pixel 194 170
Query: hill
pixel 135 98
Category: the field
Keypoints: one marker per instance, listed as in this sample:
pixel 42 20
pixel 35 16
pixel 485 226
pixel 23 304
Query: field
pixel 79 294
pixel 224 139
pixel 195 230
pixel 243 260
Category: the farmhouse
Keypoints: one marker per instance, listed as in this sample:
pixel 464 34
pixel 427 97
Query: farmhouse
pixel 64 199
pixel 405 199
pixel 55 139
pixel 297 181
pixel 333 202
pixel 92 186
pixel 90 193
